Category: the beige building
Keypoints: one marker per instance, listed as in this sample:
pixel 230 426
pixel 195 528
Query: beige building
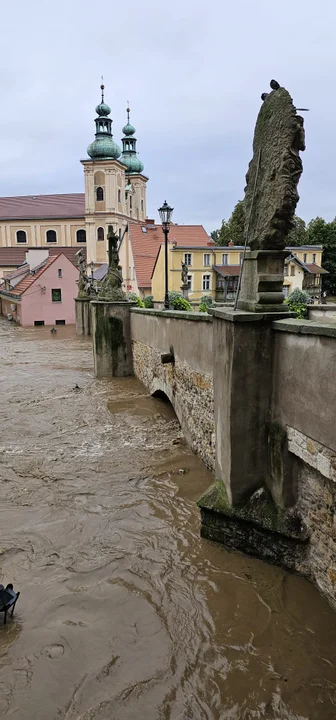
pixel 115 193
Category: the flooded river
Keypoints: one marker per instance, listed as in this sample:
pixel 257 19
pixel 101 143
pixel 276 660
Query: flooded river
pixel 125 613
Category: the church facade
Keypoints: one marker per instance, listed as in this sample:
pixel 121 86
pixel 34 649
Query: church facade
pixel 115 194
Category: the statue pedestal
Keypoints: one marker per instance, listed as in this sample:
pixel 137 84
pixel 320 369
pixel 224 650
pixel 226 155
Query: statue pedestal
pixel 262 281
pixel 111 331
pixel 184 291
pixel 83 316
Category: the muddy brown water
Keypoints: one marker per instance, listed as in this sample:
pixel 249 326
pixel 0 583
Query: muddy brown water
pixel 125 612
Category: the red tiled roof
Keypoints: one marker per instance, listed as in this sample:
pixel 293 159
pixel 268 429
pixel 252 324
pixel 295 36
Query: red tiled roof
pixel 15 256
pixel 316 269
pixel 26 207
pixel 226 270
pixel 145 245
pixel 30 278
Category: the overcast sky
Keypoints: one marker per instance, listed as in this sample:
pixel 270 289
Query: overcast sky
pixel 193 73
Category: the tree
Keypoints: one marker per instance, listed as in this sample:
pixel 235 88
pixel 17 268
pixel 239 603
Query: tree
pixel 233 229
pixel 322 233
pixel 298 234
pixel 215 235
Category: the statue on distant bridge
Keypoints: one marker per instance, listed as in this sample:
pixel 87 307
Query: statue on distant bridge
pixel 111 287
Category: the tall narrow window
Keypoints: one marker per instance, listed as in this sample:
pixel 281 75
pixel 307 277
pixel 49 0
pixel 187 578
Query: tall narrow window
pixel 187 258
pixel 286 270
pixel 206 258
pixel 142 205
pixel 292 270
pixel 225 258
pixel 51 236
pixel 81 236
pixel 304 257
pixel 119 196
pixel 100 194
pixel 206 282
pixel 130 201
pixel 100 233
pixel 189 282
pixel 313 260
pixel 60 272
pixel 21 236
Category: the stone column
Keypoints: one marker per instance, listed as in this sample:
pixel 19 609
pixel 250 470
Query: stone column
pixel 111 332
pixel 262 281
pixel 184 291
pixel 83 316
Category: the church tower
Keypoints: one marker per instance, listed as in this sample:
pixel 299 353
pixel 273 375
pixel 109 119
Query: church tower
pixel 115 189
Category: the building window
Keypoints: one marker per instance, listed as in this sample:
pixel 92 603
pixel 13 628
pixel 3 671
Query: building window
pixel 51 236
pixel 38 322
pixel 59 322
pixel 286 270
pixel 56 295
pixel 225 259
pixel 206 282
pixel 187 259
pixel 81 236
pixel 130 201
pixel 304 257
pixel 100 233
pixel 292 270
pixel 189 282
pixel 314 258
pixel 59 272
pixel 206 259
pixel 119 196
pixel 99 194
pixel 142 206
pixel 21 236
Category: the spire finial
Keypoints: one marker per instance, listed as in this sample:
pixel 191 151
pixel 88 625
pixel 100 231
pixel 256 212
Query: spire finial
pixel 102 87
pixel 128 110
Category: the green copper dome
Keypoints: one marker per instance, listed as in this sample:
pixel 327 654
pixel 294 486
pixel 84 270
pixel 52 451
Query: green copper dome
pixel 104 147
pixel 128 129
pixel 133 164
pixel 102 109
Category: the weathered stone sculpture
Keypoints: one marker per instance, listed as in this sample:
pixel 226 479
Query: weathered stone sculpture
pixel 270 199
pixel 111 288
pixel 184 279
pixel 83 290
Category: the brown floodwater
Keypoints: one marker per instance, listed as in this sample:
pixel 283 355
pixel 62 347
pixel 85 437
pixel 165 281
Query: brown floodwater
pixel 125 612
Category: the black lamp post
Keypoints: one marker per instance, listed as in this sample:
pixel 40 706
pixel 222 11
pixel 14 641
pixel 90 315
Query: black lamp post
pixel 165 213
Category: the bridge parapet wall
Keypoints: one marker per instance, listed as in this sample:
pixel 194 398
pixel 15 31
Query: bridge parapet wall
pixel 188 382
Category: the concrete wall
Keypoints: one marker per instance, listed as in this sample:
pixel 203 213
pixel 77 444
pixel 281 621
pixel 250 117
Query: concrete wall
pixel 188 383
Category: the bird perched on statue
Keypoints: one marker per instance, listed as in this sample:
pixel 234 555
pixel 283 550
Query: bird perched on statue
pixel 53 331
pixel 264 96
pixel 274 85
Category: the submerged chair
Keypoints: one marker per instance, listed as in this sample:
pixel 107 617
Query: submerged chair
pixel 8 599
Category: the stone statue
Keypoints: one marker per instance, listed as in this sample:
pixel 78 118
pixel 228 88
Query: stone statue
pixel 83 281
pixel 184 274
pixel 271 182
pixel 111 287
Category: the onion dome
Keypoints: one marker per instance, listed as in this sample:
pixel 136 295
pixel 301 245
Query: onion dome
pixel 129 152
pixel 103 147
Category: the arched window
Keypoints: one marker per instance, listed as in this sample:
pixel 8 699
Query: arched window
pixel 51 236
pixel 81 236
pixel 100 233
pixel 100 193
pixel 21 236
pixel 119 195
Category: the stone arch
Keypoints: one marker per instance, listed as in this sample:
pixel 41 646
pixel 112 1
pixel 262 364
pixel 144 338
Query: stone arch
pixel 159 387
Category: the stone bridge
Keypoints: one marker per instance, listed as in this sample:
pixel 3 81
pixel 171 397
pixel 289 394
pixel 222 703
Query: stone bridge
pixel 255 397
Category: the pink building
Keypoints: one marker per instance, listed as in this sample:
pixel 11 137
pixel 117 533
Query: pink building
pixel 41 291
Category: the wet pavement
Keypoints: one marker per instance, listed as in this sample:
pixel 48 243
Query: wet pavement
pixel 125 612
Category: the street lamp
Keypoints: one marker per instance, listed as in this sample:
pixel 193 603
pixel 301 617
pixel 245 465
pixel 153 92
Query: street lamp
pixel 165 213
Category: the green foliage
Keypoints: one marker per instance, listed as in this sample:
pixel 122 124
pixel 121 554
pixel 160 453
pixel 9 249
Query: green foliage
pixel 297 302
pixel 203 307
pixel 206 300
pixel 215 235
pixel 135 298
pixel 299 233
pixel 148 301
pixel 323 233
pixel 232 230
pixel 180 303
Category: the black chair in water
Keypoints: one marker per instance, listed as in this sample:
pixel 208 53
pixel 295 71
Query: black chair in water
pixel 8 600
